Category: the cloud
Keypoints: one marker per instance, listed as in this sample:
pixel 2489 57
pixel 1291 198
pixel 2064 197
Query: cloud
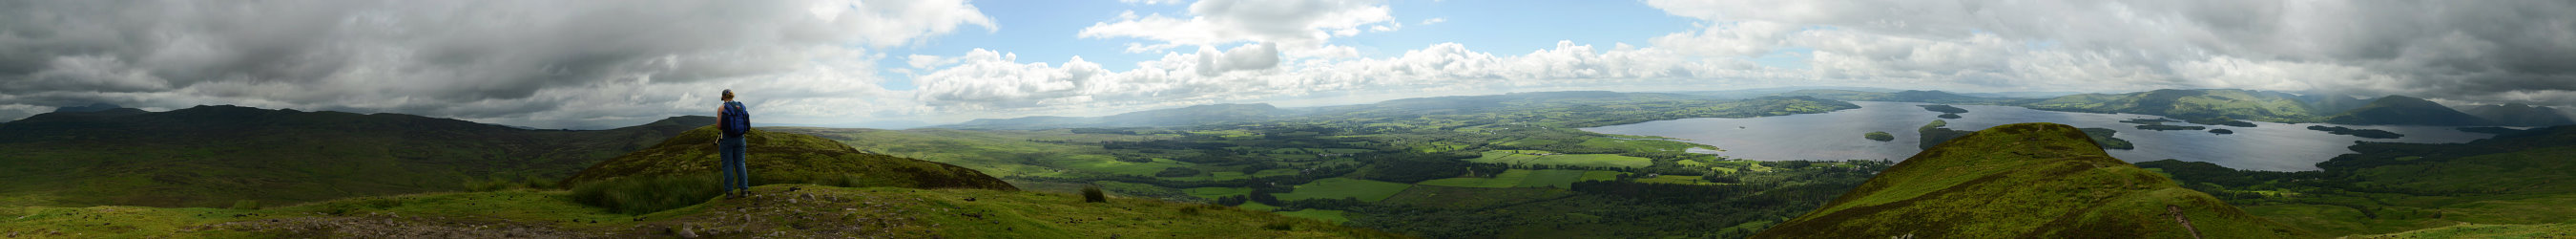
pixel 1152 2
pixel 1301 25
pixel 505 61
pixel 1435 20
pixel 992 81
pixel 2484 51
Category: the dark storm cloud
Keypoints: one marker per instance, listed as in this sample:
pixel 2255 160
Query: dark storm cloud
pixel 474 59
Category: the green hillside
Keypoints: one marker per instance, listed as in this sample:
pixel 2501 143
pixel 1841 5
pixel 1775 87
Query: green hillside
pixel 2406 111
pixel 809 187
pixel 2023 180
pixel 791 210
pixel 2194 104
pixel 781 157
pixel 2517 114
pixel 2513 178
pixel 210 156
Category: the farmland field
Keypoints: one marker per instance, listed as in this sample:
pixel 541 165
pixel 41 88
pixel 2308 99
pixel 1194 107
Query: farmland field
pixel 1530 157
pixel 1331 188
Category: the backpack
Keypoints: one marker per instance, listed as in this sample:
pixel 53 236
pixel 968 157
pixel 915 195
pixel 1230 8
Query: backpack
pixel 734 121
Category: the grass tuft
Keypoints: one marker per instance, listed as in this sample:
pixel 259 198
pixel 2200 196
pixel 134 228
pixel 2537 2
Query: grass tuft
pixel 1092 194
pixel 649 194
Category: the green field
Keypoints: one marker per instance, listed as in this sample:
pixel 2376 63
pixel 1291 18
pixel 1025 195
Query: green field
pixel 1330 188
pixel 1521 178
pixel 1676 179
pixel 1334 216
pixel 1526 157
pixel 1215 192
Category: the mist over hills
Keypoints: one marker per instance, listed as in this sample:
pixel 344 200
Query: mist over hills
pixel 2518 114
pixel 2406 110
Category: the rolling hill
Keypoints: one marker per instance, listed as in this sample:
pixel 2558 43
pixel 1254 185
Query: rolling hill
pixel 786 157
pixel 1193 115
pixel 808 187
pixel 2517 114
pixel 2396 109
pixel 2512 178
pixel 2194 104
pixel 217 155
pixel 2024 180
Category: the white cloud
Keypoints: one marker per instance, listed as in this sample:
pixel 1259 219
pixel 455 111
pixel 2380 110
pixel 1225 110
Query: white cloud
pixel 535 63
pixel 1435 20
pixel 1299 25
pixel 1152 2
pixel 992 81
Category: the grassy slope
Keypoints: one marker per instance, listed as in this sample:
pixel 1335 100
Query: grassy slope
pixel 2394 187
pixel 2022 180
pixel 2408 111
pixel 788 210
pixel 215 155
pixel 2467 230
pixel 785 154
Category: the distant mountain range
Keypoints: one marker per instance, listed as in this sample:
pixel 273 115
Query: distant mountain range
pixel 2213 105
pixel 2192 104
pixel 2221 105
pixel 1899 96
pixel 2408 111
pixel 2038 180
pixel 1241 113
pixel 212 156
pixel 2517 114
pixel 1201 114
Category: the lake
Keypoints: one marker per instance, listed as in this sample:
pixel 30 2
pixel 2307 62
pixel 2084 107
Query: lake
pixel 1837 135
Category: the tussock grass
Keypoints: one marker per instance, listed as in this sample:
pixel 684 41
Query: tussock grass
pixel 648 194
pixel 640 195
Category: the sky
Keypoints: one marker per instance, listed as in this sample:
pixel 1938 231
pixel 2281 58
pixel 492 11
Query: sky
pixel 892 64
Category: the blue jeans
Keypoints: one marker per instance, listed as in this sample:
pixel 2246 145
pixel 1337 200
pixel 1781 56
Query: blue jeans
pixel 735 176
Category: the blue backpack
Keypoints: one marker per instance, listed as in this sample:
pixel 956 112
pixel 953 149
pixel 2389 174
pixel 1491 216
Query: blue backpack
pixel 734 121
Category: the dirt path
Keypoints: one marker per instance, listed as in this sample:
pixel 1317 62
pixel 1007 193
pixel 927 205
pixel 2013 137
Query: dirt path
pixel 2186 222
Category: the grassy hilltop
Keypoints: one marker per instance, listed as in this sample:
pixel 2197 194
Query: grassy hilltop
pixel 803 196
pixel 2023 180
pixel 786 157
pixel 213 156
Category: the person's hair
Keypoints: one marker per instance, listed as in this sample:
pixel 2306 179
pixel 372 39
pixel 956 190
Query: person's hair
pixel 728 95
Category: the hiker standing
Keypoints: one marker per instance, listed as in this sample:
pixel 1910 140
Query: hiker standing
pixel 734 121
